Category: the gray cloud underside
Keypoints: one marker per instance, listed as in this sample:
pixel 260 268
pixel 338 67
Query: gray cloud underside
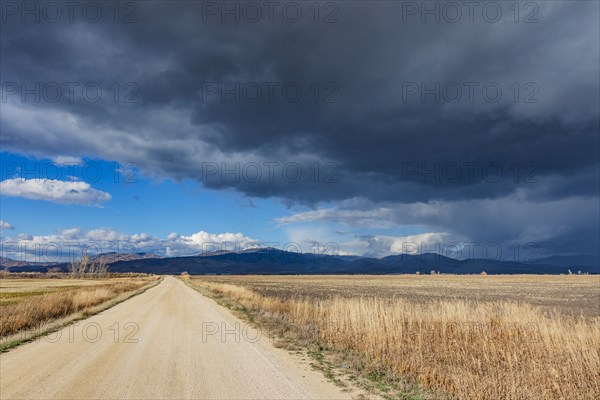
pixel 370 135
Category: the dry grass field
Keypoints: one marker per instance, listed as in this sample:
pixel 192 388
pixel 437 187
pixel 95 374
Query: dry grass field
pixel 31 304
pixel 574 294
pixel 467 337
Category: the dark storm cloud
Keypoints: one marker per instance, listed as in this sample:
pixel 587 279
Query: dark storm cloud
pixel 370 130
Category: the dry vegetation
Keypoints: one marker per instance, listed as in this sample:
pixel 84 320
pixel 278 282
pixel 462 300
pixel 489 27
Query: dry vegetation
pixel 571 295
pixel 470 337
pixel 27 304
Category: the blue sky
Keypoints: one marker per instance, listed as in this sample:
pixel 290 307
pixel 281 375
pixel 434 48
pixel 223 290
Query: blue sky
pixel 137 204
pixel 157 207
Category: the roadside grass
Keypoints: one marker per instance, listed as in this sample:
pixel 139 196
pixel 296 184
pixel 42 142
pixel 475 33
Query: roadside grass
pixel 34 313
pixel 464 349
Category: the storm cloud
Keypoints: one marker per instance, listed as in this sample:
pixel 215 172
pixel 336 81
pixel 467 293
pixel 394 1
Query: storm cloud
pixel 491 115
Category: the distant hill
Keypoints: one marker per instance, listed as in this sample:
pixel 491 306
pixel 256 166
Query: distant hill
pixel 7 262
pixel 112 257
pixel 274 261
pixel 108 258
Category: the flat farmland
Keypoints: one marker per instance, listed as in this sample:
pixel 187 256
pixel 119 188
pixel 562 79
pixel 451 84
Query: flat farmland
pixel 435 336
pixel 12 290
pixel 570 295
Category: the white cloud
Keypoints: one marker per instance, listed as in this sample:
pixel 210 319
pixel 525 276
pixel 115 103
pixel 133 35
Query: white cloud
pixel 104 234
pixel 5 225
pixel 312 238
pixel 54 190
pixel 71 243
pixel 67 160
pixel 431 242
pixel 200 239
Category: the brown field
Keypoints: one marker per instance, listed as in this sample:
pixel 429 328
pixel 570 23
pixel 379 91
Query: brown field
pixel 567 294
pixel 466 337
pixel 27 304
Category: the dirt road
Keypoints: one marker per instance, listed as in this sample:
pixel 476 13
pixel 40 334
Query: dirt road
pixel 167 343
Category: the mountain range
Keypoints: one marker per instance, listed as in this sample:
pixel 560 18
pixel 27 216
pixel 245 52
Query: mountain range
pixel 274 261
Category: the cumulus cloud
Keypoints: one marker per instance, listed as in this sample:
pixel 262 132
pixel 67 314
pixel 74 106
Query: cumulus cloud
pixel 73 242
pixel 200 239
pixel 56 191
pixel 319 238
pixel 5 225
pixel 409 244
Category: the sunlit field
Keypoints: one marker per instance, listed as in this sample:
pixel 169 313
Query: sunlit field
pixel 508 337
pixel 31 306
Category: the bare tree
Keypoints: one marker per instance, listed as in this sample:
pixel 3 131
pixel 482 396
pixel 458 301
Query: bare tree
pixel 85 268
pixel 73 268
pixel 101 269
